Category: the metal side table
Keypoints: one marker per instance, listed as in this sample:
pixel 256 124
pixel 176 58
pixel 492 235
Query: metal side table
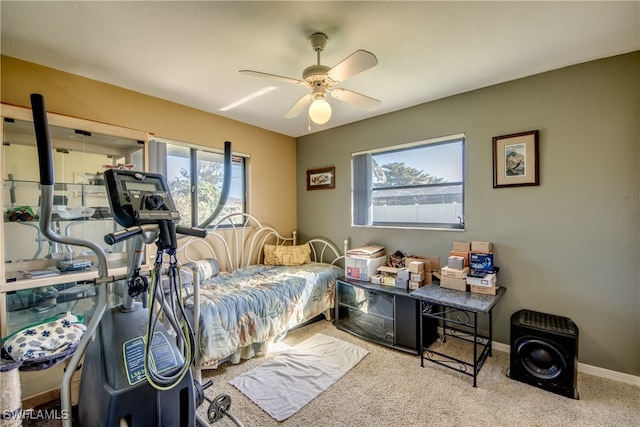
pixel 458 313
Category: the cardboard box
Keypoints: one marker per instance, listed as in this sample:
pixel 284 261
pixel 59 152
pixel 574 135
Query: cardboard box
pixel 402 283
pixel 458 273
pixel 415 284
pixel 488 280
pixel 418 276
pixel 482 247
pixel 377 279
pixel 483 262
pixel 428 277
pixel 389 281
pixel 464 255
pixel 453 283
pixel 461 247
pixel 415 266
pixel 455 262
pixel 403 273
pixel 363 268
pixel 432 265
pixel 485 290
pixel 388 270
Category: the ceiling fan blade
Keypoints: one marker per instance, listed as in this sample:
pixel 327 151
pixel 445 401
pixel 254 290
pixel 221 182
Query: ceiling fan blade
pixel 274 77
pixel 356 99
pixel 298 107
pixel 357 62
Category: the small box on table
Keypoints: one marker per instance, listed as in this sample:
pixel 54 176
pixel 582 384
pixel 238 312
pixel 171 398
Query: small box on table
pixel 418 276
pixel 402 283
pixel 482 247
pixel 453 283
pixel 377 279
pixel 455 261
pixel 389 281
pixel 458 273
pixel 483 262
pixel 403 273
pixel 431 263
pixel 415 266
pixel 415 284
pixel 461 246
pixel 485 290
pixel 462 254
pixel 488 280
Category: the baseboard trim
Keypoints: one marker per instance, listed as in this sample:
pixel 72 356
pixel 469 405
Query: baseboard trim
pixel 596 371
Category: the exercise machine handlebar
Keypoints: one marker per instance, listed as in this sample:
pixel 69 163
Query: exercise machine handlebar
pixel 129 232
pixel 45 158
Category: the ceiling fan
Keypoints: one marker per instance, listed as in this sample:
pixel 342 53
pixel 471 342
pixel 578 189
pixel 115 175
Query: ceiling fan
pixel 322 79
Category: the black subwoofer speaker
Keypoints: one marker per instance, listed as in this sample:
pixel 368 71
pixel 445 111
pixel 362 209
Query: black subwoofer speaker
pixel 544 352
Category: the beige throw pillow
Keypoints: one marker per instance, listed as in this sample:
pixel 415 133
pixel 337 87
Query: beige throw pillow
pixel 287 255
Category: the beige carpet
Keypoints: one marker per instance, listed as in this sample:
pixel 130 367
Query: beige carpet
pixel 389 388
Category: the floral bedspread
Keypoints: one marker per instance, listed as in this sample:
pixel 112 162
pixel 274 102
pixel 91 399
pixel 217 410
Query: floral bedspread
pixel 256 303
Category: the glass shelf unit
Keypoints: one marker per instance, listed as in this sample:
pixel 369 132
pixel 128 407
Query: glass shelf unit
pixel 35 283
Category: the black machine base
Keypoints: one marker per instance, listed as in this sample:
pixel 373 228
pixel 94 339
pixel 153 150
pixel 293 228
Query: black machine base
pixel 113 389
pixel 544 352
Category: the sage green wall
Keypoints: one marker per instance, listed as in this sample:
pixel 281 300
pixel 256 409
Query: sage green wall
pixel 570 246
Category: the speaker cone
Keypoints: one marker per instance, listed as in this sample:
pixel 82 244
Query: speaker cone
pixel 541 359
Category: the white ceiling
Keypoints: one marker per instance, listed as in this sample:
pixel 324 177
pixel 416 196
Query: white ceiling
pixel 190 52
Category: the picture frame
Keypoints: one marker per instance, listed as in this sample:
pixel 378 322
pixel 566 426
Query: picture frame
pixel 516 160
pixel 321 179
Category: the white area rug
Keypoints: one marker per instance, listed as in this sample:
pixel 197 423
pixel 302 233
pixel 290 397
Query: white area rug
pixel 284 385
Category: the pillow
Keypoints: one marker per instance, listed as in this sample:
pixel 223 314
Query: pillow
pixel 46 340
pixel 287 255
pixel 207 268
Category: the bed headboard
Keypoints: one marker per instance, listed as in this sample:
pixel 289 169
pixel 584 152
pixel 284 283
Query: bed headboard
pixel 237 240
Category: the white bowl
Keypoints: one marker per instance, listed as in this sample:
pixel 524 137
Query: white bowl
pixel 74 213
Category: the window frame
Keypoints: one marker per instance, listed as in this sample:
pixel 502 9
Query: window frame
pixel 362 207
pixel 193 159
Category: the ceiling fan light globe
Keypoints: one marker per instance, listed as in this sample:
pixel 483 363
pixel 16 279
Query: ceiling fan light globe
pixel 320 111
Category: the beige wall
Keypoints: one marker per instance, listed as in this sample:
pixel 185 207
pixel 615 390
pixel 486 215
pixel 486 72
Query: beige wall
pixel 570 246
pixel 272 185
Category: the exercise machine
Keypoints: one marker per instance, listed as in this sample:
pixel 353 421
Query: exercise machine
pixel 135 372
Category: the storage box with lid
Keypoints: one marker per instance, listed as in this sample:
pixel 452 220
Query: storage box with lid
pixel 363 268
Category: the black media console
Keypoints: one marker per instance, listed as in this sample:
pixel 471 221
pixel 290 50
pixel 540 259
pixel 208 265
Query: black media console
pixel 382 314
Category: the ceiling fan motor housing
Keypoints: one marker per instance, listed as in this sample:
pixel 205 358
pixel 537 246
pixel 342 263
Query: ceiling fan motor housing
pixel 315 73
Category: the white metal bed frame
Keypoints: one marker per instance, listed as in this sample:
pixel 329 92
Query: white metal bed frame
pixel 237 240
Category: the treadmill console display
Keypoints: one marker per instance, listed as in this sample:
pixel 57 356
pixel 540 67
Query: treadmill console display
pixel 138 198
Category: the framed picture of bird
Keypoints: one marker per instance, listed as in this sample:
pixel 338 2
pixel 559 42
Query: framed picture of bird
pixel 516 160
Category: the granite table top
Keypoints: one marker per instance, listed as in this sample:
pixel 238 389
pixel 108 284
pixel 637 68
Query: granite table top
pixel 468 301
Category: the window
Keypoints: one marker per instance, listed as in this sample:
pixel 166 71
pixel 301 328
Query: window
pixel 195 177
pixel 416 185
